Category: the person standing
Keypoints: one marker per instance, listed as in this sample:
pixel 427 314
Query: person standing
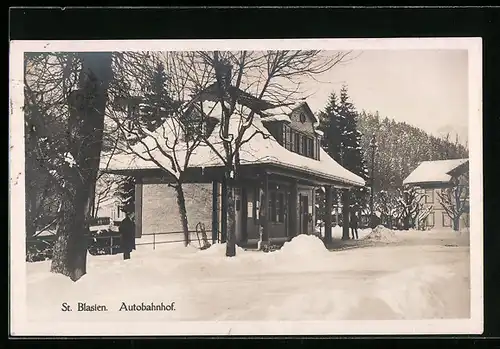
pixel 354 225
pixel 127 232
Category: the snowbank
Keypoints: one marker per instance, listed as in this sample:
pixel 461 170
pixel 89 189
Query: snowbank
pixel 304 245
pixel 381 233
pixel 416 293
pixel 337 232
pixel 301 281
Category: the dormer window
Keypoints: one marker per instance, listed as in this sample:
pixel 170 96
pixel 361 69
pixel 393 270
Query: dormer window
pixel 300 142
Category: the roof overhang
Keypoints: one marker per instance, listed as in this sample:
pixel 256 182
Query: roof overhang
pixel 215 173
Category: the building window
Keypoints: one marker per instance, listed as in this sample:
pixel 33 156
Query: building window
pixel 292 141
pixel 287 136
pixel 310 148
pixel 298 142
pixel 303 148
pixel 302 117
pixel 429 196
pixel 280 208
pixel 271 206
pixel 446 220
pixel 276 207
pixel 117 212
pixel 430 220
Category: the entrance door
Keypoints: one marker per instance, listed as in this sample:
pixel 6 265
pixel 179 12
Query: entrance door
pixel 244 214
pixel 304 214
pixel 237 223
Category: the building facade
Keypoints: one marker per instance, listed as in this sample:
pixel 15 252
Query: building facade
pixel 281 166
pixel 443 183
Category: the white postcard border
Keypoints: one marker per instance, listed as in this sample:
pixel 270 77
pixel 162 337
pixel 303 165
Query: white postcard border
pixel 18 319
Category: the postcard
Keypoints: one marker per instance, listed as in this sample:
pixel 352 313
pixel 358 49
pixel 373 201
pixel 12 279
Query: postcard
pixel 246 187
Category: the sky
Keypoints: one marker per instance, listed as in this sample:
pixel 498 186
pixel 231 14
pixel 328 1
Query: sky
pixel 424 88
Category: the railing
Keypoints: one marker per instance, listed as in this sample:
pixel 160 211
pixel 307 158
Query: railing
pixel 155 237
pixel 111 243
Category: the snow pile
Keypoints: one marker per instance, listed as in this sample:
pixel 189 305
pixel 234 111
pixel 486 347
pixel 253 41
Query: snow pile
pixel 303 253
pixel 416 293
pixel 304 245
pixel 302 281
pixel 381 233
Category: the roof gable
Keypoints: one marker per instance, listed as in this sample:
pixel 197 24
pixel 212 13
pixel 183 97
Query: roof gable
pixel 439 171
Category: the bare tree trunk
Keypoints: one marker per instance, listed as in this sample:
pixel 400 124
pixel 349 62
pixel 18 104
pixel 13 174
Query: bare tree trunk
pixel 406 223
pixel 456 223
pixel 85 126
pixel 70 248
pixel 345 215
pixel 181 203
pixel 231 221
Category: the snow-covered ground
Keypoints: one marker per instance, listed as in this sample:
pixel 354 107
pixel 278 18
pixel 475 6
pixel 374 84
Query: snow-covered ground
pixel 418 275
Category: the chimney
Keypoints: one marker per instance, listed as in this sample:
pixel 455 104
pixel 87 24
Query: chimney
pixel 225 72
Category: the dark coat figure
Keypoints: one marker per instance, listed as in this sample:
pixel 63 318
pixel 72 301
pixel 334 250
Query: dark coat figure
pixel 353 222
pixel 127 232
pixel 375 221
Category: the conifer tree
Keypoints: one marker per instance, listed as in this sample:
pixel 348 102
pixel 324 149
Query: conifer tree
pixel 342 141
pixel 351 150
pixel 126 195
pixel 157 103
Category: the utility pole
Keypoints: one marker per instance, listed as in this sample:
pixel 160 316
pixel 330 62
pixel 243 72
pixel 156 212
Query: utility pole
pixel 373 146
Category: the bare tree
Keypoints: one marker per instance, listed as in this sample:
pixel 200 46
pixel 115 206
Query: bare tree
pixel 422 216
pixel 106 184
pixel 409 204
pixel 268 79
pixel 455 200
pixel 65 98
pixel 213 99
pixel 166 128
pixel 386 204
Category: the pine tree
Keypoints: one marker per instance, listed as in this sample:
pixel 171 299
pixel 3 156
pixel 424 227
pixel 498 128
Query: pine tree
pixel 351 150
pixel 342 141
pixel 157 103
pixel 125 193
pixel 333 126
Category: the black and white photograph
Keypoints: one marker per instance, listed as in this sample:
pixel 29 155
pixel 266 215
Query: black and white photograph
pixel 246 187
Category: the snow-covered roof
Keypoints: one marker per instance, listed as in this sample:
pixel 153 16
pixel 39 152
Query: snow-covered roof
pixel 262 148
pixel 304 104
pixel 277 117
pixel 434 171
pixel 319 132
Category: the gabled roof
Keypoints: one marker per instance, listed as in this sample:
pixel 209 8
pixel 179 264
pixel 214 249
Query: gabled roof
pixel 244 98
pixel 283 113
pixel 261 148
pixel 434 171
pixel 305 106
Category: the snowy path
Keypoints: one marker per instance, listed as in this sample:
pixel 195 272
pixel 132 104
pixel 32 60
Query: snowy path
pixel 422 275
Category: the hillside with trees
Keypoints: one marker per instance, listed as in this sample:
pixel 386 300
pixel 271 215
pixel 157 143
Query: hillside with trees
pixel 401 147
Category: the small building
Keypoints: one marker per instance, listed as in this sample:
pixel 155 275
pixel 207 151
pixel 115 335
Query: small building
pixel 281 165
pixel 432 177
